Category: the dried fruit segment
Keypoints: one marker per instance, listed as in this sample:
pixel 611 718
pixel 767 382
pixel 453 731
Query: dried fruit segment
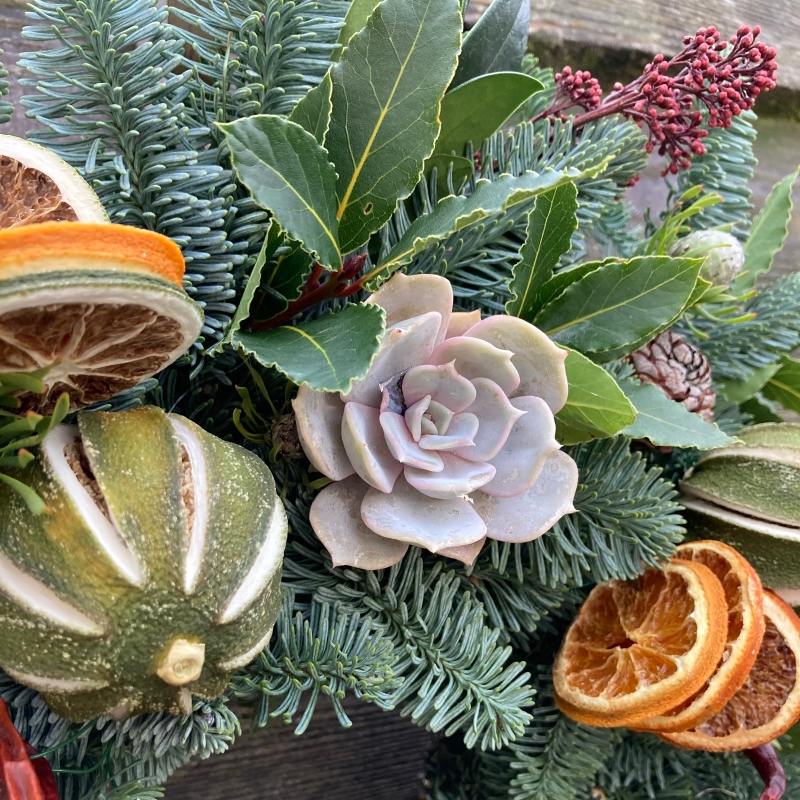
pixel 768 703
pixel 37 186
pixel 744 597
pixel 639 648
pixel 98 306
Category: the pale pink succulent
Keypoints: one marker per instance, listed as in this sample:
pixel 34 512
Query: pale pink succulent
pixel 448 438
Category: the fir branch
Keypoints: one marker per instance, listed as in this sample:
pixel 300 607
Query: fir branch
pixel 726 169
pixel 626 520
pixel 737 349
pixel 724 775
pixel 111 99
pixel 455 672
pixel 6 109
pixel 129 791
pixel 517 604
pixel 329 652
pixel 102 755
pixel 256 56
pixel 557 758
pixel 643 764
pixel 479 259
pixel 455 773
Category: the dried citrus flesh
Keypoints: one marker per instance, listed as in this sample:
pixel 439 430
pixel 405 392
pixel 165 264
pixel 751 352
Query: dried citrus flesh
pixel 37 186
pixel 98 332
pixel 638 648
pixel 768 703
pixel 744 596
pixel 77 246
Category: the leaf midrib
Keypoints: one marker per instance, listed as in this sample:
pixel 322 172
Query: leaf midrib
pixel 607 309
pixel 316 344
pixel 300 197
pixel 381 117
pixel 523 300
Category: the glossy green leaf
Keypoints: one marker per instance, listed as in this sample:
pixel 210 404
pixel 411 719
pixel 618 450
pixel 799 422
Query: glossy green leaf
pixel 288 173
pixel 596 407
pixel 498 41
pixel 621 304
pixel 478 108
pixel 701 289
pixel 328 353
pixel 768 233
pixel 784 386
pixel 759 410
pixel 667 423
pixel 739 391
pixel 355 20
pixel 387 90
pixel 453 214
pixel 313 112
pixel 551 223
pixel 555 286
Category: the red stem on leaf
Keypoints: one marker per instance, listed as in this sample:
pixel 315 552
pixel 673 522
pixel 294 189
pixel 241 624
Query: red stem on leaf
pixel 20 778
pixel 766 762
pixel 341 283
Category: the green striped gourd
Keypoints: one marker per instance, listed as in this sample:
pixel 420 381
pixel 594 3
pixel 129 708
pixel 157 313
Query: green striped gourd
pixel 155 575
pixel 748 495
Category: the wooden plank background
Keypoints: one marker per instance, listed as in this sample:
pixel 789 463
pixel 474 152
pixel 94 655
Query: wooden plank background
pixel 382 757
pixel 658 26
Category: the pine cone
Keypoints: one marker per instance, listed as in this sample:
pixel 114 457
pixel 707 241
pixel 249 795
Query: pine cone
pixel 679 369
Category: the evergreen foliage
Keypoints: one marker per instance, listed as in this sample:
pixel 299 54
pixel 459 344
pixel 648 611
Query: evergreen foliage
pixel 557 757
pixel 454 671
pixel 6 109
pixel 726 169
pixel 328 653
pixel 627 518
pixel 770 330
pixel 101 758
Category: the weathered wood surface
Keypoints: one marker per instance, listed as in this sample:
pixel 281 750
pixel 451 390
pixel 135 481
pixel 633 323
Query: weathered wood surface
pixel 382 757
pixel 654 26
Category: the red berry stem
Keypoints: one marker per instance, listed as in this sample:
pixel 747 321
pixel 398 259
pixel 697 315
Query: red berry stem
pixel 724 76
pixel 766 762
pixel 342 283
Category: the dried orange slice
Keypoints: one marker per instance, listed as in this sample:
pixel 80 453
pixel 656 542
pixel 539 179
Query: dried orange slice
pixel 744 597
pixel 99 306
pixel 639 648
pixel 768 703
pixel 37 186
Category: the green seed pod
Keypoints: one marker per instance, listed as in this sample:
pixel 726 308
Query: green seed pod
pixel 748 495
pixel 155 575
pixel 723 252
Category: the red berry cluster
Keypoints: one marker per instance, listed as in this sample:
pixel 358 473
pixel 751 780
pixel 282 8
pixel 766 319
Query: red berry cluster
pixel 575 89
pixel 725 77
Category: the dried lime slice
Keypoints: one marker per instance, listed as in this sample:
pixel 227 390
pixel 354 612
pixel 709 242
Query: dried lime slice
pixel 37 186
pixel 99 306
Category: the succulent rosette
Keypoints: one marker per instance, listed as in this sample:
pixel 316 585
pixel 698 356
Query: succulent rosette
pixel 448 438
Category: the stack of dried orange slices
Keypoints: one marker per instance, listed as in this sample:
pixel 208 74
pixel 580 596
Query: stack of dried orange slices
pixel 695 652
pixel 92 307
